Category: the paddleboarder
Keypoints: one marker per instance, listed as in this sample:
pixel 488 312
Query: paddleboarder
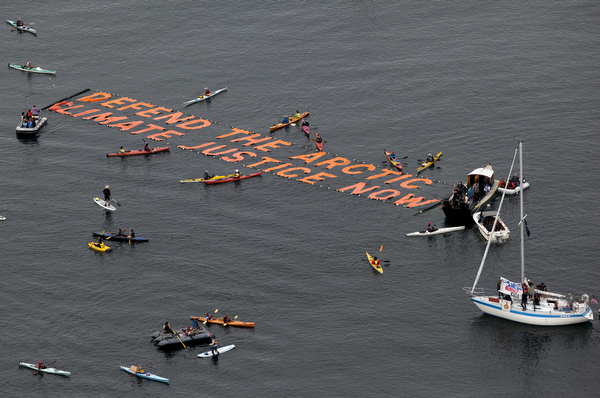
pixel 215 347
pixel 106 193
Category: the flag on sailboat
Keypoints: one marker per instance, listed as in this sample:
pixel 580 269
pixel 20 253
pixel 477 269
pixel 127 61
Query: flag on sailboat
pixel 594 300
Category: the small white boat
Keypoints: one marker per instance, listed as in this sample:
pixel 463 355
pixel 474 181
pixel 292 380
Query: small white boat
pixel 38 125
pixel 205 97
pixel 45 370
pixel 513 191
pixel 485 222
pixel 220 350
pixel 437 231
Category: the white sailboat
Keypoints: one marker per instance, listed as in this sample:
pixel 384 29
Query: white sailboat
pixel 552 310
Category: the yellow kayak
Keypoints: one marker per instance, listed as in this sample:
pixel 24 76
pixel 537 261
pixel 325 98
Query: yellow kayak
pixel 202 179
pixel 101 247
pixel 375 263
pixel 427 164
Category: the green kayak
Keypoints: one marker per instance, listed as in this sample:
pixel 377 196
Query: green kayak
pixel 37 69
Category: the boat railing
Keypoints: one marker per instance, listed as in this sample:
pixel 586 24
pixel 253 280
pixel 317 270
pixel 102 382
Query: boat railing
pixel 478 291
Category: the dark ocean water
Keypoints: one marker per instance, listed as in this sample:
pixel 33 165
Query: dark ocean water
pixel 414 77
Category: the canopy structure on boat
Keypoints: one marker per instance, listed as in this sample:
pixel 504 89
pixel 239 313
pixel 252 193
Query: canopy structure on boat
pixel 477 174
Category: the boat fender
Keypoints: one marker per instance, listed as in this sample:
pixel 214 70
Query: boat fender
pixel 585 298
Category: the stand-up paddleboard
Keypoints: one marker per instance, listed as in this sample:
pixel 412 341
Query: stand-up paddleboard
pixel 100 202
pixel 219 350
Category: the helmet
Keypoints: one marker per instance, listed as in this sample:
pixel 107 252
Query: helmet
pixel 237 171
pixel 429 154
pixel 206 88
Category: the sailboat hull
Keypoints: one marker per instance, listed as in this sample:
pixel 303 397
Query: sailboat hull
pixel 544 315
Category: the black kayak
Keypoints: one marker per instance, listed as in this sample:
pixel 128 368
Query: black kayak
pixel 170 340
pixel 113 236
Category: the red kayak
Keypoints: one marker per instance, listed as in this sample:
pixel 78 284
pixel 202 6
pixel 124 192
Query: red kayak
pixel 142 152
pixel 222 180
pixel 320 146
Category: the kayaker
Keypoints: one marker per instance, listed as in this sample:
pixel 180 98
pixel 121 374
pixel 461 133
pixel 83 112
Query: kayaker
pixel 214 350
pixel 305 123
pixel 375 261
pixel 237 174
pixel 29 66
pixel 122 150
pixel 41 365
pixel 19 22
pixel 209 317
pixel 226 319
pixel 207 176
pixel 106 193
pixel 297 114
pixel 431 228
pixel 318 138
pixel 119 232
pixel 147 148
pixel 167 328
pixel 393 156
pixel 430 158
pixel 34 111
pixel 131 235
pixel 285 120
pixel 207 91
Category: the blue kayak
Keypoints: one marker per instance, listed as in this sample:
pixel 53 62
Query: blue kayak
pixel 134 371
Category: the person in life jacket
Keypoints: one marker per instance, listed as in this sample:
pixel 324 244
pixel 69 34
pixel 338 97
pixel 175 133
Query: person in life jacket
pixel 237 174
pixel 431 228
pixel 207 176
pixel 297 114
pixel 318 138
pixel 147 148
pixel 286 119
pixel 19 22
pixel 375 261
pixel 430 158
pixel 207 91
pixel 305 122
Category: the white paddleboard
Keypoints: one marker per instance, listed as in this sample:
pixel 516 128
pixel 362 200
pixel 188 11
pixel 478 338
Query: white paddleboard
pixel 219 350
pixel 100 202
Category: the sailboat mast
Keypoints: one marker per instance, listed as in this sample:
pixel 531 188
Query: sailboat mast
pixel 522 219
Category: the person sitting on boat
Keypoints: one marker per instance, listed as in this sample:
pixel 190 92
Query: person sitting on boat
pixel 147 148
pixel 195 324
pixel 29 114
pixel 508 298
pixel 514 181
pixel 120 232
pixel 41 365
pixel 542 287
pixel 207 176
pixel 237 174
pixel 19 22
pixel 431 228
pixel 430 158
pixel 106 193
pixel 29 66
pixel 122 150
pixel 318 138
pixel 207 91
pixel 226 319
pixel 285 120
pixel 209 317
pixel 305 122
pixel 375 261
pixel 297 114
pixel 131 235
pixel 392 156
pixel 100 243
pixel 31 123
pixel 23 117
pixel 167 328
pixel 35 111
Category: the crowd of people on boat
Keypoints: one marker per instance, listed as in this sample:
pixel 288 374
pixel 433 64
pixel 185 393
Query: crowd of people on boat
pixel 470 195
pixel 28 118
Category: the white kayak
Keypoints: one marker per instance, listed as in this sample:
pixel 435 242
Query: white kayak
pixel 437 231
pixel 47 370
pixel 2 218
pixel 219 350
pixel 204 97
pixel 100 202
pixel 515 190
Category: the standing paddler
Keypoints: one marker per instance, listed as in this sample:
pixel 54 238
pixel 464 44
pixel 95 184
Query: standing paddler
pixel 106 193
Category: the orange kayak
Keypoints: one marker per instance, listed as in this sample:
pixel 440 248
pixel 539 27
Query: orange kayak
pixel 219 321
